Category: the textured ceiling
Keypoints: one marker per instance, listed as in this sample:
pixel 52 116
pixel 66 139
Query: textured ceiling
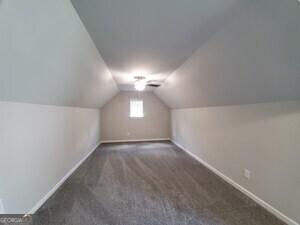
pixel 153 35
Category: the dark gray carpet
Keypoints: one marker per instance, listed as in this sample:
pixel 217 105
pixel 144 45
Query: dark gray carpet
pixel 148 184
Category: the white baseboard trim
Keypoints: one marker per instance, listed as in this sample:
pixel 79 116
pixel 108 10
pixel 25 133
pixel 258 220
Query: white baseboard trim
pixel 258 200
pixel 54 189
pixel 135 140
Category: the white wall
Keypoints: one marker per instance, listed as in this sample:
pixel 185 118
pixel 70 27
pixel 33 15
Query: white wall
pixel 39 145
pixel 47 56
pixel 263 138
pixel 117 125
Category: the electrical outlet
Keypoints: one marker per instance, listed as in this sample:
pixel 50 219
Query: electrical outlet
pixel 247 174
pixel 1 207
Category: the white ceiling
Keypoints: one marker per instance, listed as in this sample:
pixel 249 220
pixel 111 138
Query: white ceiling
pixel 47 57
pixel 254 58
pixel 208 52
pixel 156 36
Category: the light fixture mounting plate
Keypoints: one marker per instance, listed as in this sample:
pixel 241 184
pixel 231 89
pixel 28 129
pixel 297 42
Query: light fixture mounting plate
pixel 139 78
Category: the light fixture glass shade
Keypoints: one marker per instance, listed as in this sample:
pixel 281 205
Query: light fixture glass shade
pixel 140 85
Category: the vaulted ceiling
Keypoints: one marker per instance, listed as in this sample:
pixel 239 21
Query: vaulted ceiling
pixel 156 36
pixel 47 57
pixel 205 52
pixel 208 52
pixel 253 58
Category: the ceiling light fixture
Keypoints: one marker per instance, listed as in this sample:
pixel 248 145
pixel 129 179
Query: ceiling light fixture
pixel 140 83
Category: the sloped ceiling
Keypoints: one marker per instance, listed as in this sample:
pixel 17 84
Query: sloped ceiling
pixel 209 52
pixel 254 58
pixel 153 35
pixel 47 56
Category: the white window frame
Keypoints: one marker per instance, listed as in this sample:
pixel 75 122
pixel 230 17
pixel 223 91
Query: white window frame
pixel 136 108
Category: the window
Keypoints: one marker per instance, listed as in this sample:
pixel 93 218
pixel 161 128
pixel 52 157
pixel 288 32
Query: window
pixel 136 109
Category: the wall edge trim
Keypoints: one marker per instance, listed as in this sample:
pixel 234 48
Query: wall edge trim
pixel 255 198
pixel 40 203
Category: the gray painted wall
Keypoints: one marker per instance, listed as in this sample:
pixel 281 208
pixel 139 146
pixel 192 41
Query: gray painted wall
pixel 263 138
pixel 47 56
pixel 253 58
pixel 117 125
pixel 39 146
